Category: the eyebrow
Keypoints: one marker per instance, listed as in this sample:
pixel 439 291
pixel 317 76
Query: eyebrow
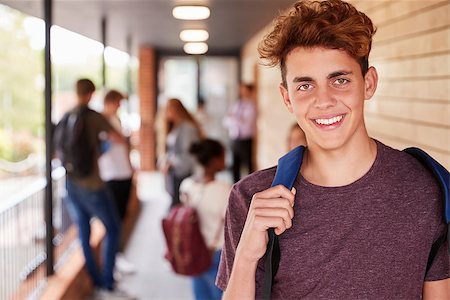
pixel 302 79
pixel 339 73
pixel 331 75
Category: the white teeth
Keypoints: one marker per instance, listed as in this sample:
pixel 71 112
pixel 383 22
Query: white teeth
pixel 329 121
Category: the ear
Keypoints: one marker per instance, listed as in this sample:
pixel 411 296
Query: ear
pixel 285 95
pixel 371 82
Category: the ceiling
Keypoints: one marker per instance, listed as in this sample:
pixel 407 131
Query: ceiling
pixel 150 22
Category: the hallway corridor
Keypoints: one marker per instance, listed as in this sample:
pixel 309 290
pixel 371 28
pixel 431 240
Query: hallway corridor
pixel 153 278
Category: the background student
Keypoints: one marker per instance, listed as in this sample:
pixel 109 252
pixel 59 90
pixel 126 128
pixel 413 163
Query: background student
pixel 209 197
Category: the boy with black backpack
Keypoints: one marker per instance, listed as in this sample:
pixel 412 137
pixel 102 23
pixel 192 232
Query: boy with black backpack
pixel 363 220
pixel 78 143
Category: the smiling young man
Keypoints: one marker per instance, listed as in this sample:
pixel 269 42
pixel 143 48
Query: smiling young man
pixel 365 216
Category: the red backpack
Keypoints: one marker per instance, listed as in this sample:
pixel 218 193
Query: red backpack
pixel 186 249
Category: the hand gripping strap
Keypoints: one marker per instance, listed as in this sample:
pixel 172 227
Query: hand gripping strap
pixel 442 177
pixel 287 170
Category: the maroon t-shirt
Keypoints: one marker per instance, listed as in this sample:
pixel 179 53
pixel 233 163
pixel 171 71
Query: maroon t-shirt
pixel 367 240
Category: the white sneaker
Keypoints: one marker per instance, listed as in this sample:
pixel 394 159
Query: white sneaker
pixel 123 265
pixel 117 275
pixel 103 294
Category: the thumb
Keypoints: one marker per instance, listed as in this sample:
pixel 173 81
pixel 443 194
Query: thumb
pixel 293 191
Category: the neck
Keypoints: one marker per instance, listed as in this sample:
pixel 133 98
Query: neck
pixel 83 101
pixel 208 176
pixel 176 121
pixel 341 166
pixel 108 112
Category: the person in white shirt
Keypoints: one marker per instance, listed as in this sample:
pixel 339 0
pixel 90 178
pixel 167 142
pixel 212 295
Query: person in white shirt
pixel 115 169
pixel 210 198
pixel 241 125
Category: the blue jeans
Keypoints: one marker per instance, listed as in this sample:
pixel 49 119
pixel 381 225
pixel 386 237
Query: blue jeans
pixel 204 285
pixel 83 205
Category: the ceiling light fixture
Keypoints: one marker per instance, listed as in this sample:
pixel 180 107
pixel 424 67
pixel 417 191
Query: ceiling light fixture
pixel 195 48
pixel 194 35
pixel 191 12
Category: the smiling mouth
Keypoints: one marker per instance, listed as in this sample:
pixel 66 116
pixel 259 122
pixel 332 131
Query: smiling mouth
pixel 331 121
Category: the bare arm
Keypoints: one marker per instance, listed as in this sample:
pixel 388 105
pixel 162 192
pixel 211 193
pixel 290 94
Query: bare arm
pixel 242 280
pixel 272 208
pixel 436 290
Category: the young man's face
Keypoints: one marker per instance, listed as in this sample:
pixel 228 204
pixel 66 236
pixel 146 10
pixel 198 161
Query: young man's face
pixel 115 105
pixel 326 93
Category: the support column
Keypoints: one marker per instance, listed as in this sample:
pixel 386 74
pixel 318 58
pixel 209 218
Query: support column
pixel 199 79
pixel 129 82
pixel 104 41
pixel 48 139
pixel 147 97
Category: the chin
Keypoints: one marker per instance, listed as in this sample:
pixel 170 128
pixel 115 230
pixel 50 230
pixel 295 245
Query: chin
pixel 330 144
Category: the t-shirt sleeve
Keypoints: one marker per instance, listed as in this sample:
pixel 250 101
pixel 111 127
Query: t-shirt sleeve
pixel 235 217
pixel 440 264
pixel 101 123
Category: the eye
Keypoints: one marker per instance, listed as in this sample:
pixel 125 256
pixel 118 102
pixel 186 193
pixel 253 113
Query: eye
pixel 341 81
pixel 305 87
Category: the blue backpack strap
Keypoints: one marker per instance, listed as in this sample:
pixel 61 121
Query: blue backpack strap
pixel 443 178
pixel 439 172
pixel 287 170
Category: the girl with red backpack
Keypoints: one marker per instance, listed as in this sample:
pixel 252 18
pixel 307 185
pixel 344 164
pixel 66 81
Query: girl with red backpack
pixel 209 197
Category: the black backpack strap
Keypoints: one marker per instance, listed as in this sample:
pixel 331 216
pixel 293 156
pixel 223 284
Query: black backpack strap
pixel 443 178
pixel 287 170
pixel 271 263
pixel 434 250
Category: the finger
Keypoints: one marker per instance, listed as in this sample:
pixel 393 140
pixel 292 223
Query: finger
pixel 274 204
pixel 276 192
pixel 279 231
pixel 283 213
pixel 277 202
pixel 294 192
pixel 264 223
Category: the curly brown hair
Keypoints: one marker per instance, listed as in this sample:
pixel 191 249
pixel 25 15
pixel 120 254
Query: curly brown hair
pixel 331 24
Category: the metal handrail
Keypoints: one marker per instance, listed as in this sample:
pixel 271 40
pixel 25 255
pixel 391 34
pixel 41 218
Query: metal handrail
pixel 25 207
pixel 30 190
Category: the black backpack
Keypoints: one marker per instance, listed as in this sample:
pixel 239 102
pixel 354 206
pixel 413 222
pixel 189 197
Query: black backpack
pixel 72 144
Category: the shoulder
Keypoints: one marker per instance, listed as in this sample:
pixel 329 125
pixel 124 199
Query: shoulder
pixel 220 185
pixel 187 128
pixel 63 119
pixel 186 125
pixel 402 169
pixel 243 191
pixel 99 120
pixel 95 114
pixel 403 164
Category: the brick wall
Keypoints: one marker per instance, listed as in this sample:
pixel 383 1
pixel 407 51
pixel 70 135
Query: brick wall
pixel 411 51
pixel 147 96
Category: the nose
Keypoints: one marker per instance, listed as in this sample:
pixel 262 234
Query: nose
pixel 324 98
